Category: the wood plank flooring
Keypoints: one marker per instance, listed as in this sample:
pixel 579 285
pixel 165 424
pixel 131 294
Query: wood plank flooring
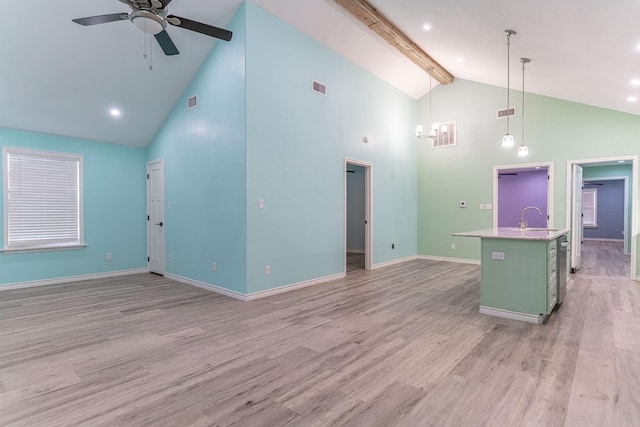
pixel 399 346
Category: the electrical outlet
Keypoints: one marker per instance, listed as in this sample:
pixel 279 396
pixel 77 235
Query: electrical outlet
pixel 488 206
pixel 497 255
pixel 108 256
pixel 214 267
pixel 267 270
pixel 453 246
pixel 481 206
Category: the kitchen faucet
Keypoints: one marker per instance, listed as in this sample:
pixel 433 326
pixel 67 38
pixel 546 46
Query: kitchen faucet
pixel 523 223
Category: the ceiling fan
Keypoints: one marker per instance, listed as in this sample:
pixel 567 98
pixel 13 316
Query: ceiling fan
pixel 152 17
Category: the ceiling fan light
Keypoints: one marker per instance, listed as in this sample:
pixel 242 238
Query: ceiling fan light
pixel 507 140
pixel 147 21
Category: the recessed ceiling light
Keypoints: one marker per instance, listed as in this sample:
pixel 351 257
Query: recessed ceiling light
pixel 460 60
pixel 115 112
pixel 635 82
pixel 426 27
pixel 632 98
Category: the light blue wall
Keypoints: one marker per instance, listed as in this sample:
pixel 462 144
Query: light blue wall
pixel 205 171
pixel 355 208
pixel 296 145
pixel 114 212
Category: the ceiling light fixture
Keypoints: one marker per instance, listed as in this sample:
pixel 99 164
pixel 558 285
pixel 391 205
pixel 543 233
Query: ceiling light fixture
pixel 507 139
pixel 433 127
pixel 632 98
pixel 115 112
pixel 635 82
pixel 426 27
pixel 523 150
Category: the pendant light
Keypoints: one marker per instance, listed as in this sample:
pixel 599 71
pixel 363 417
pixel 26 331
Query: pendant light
pixel 523 150
pixel 433 127
pixel 507 139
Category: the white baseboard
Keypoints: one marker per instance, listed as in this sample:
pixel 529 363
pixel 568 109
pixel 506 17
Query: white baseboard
pixel 69 279
pixel 286 288
pixel 254 295
pixel 513 315
pixel 393 262
pixel 207 286
pixel 596 239
pixel 355 251
pixel 449 259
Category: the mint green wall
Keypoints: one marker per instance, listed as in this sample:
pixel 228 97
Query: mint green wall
pixel 296 145
pixel 205 172
pixel 594 172
pixel 114 212
pixel 556 131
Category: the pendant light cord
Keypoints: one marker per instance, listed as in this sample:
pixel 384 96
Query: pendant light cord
pixel 508 75
pixel 524 61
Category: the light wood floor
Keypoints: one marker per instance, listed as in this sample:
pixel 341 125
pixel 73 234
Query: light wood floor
pixel 403 345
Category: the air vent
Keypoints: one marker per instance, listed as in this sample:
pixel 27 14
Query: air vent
pixel 501 114
pixel 192 102
pixel 319 88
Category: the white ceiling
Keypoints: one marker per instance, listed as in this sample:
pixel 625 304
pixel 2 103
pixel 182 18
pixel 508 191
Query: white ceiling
pixel 62 78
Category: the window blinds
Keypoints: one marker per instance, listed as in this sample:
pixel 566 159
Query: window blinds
pixel 590 207
pixel 43 199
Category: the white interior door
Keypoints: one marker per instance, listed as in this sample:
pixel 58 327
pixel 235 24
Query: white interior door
pixel 155 216
pixel 576 218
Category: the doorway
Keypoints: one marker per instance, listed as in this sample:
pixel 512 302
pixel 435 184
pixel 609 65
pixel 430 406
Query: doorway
pixel 516 187
pixel 575 213
pixel 155 217
pixel 357 215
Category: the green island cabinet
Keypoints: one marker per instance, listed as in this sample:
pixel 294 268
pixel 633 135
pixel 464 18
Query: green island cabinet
pixel 519 272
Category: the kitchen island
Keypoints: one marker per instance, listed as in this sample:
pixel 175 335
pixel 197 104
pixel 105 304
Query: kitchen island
pixel 519 271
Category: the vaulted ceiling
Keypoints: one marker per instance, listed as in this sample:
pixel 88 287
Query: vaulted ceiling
pixel 62 78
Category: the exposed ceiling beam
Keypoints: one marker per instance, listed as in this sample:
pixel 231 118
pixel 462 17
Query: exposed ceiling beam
pixel 369 15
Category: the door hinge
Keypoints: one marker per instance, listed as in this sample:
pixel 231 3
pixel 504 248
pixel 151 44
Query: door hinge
pixel 147 176
pixel 147 217
pixel 148 259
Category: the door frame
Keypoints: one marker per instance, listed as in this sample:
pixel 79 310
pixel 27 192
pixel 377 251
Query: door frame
pixel 625 206
pixel 525 166
pixel 368 211
pixel 149 223
pixel 634 159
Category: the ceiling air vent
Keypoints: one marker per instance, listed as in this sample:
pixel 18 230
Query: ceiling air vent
pixel 504 112
pixel 192 102
pixel 319 88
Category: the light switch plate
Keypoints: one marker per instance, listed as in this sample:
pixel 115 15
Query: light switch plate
pixel 488 206
pixel 260 203
pixel 497 255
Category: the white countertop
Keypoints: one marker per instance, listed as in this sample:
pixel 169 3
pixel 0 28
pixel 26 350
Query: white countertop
pixel 515 233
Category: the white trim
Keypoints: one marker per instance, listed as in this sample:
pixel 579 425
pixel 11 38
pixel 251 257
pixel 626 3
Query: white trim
pixel 513 315
pixel 626 233
pixel 292 287
pixel 596 239
pixel 255 295
pixel 71 279
pixel 525 166
pixel 207 286
pixel 368 211
pixel 449 259
pixel 634 158
pixel 394 262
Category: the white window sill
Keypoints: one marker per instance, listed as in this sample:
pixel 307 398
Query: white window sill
pixel 43 248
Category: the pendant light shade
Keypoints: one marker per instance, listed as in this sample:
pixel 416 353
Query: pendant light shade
pixel 507 139
pixel 523 150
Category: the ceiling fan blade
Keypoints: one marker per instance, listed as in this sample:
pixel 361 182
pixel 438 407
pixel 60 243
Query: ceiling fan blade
pixel 199 27
pixel 101 19
pixel 165 42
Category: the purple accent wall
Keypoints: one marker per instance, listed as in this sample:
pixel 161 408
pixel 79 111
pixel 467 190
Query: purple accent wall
pixel 515 192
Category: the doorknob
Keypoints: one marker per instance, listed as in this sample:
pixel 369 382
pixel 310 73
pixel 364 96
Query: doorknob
pixel 160 224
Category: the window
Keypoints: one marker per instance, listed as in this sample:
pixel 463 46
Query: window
pixel 42 200
pixel 590 207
